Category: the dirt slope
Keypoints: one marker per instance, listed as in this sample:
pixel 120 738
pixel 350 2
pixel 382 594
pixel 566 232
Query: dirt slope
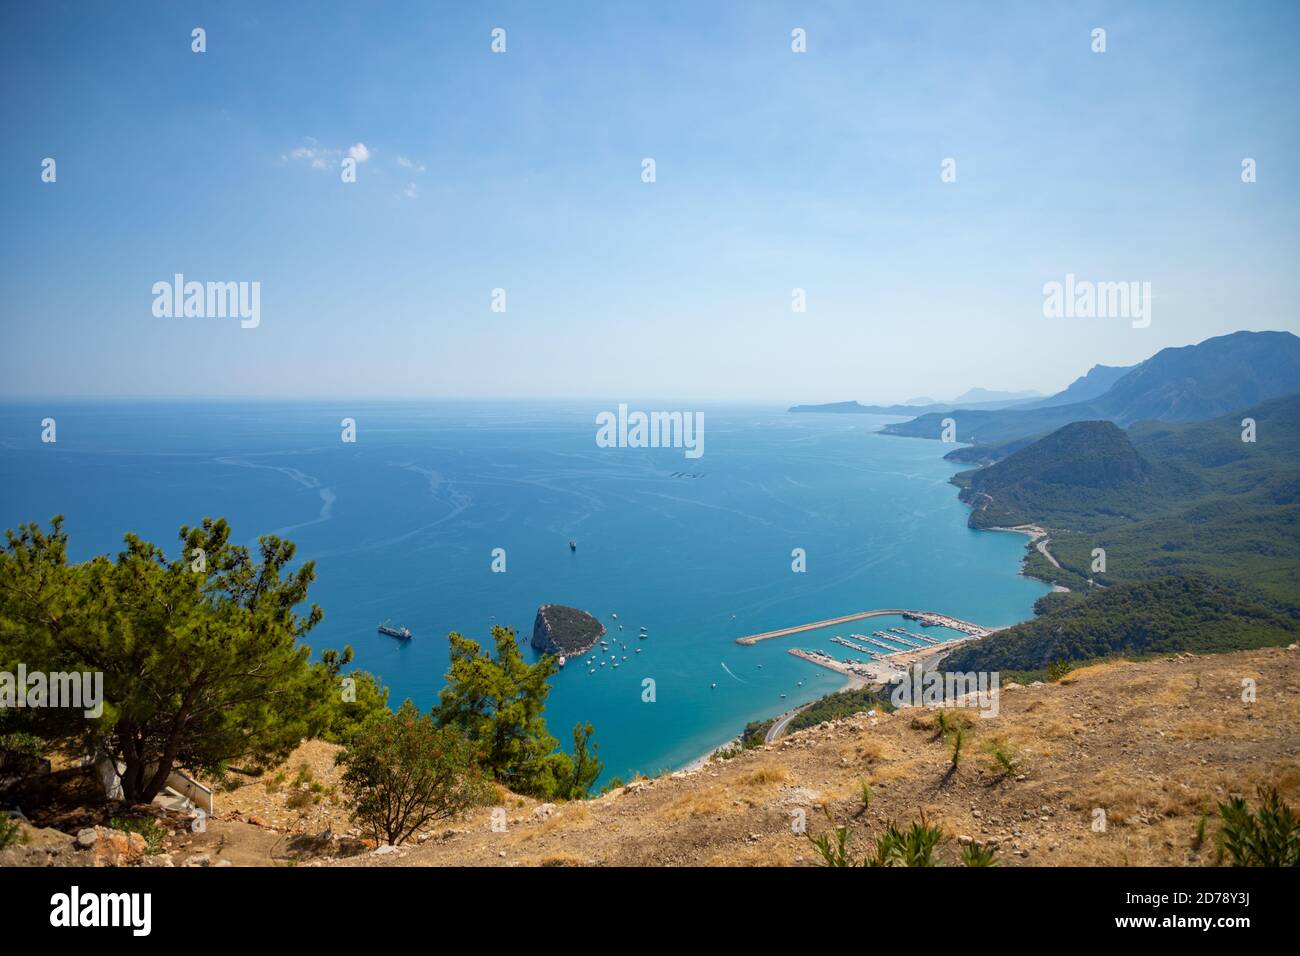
pixel 1152 744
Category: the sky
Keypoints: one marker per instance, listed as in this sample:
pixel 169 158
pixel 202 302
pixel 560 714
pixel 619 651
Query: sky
pixel 523 171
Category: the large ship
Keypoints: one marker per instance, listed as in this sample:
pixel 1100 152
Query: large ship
pixel 401 633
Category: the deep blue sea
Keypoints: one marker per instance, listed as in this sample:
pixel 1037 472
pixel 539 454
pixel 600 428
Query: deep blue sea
pixel 402 525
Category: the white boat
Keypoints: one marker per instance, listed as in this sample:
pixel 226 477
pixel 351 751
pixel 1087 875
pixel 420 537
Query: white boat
pixel 561 661
pixel 713 686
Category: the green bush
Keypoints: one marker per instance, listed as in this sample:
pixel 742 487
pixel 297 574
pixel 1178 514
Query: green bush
pixel 975 854
pixel 895 847
pixel 911 847
pixel 402 772
pixel 1269 836
pixel 153 832
pixel 19 752
pixel 10 831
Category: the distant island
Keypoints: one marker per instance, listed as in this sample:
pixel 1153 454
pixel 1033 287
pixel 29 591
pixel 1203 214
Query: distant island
pixel 976 398
pixel 562 630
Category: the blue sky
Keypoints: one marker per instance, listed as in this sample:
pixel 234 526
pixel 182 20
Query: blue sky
pixel 522 171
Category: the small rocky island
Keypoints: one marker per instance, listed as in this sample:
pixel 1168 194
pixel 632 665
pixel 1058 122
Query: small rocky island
pixel 565 630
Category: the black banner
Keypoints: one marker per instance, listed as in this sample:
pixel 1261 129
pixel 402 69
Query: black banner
pixel 338 905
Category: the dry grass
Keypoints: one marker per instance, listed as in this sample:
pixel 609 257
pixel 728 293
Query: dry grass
pixel 766 775
pixel 704 804
pixel 1156 744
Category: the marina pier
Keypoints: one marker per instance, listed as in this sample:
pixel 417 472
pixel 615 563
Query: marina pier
pixel 924 618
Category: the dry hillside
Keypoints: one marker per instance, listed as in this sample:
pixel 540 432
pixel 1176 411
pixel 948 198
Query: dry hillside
pixel 1154 744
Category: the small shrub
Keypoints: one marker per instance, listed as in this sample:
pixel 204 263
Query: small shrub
pixel 1006 759
pixel 975 854
pixel 10 830
pixel 153 832
pixel 1198 839
pixel 911 847
pixel 402 772
pixel 833 852
pixel 19 752
pixel 1056 670
pixel 1269 836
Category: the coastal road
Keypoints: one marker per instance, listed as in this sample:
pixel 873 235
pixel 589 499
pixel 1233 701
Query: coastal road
pixel 1042 544
pixel 779 725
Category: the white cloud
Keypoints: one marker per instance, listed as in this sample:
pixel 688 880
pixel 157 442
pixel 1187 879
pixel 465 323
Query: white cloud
pixel 312 153
pixel 318 156
pixel 410 164
pixel 410 192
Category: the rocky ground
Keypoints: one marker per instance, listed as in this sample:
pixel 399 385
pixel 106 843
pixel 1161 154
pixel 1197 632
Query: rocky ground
pixel 289 815
pixel 1116 765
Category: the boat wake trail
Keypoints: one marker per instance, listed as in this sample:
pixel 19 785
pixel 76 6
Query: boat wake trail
pixel 728 670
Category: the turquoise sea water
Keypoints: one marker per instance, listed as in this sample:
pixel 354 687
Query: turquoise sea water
pixel 402 525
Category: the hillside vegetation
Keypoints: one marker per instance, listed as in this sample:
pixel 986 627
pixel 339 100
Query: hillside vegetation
pixel 1163 499
pixel 1199 532
pixel 1172 614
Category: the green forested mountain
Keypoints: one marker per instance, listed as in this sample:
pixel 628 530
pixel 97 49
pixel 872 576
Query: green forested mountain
pixel 1193 613
pixel 1085 469
pixel 1188 514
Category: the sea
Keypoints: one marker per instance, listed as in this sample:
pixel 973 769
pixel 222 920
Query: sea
pixel 785 519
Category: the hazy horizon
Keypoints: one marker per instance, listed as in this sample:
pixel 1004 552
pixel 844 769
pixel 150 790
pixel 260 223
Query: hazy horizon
pixel 644 399
pixel 523 170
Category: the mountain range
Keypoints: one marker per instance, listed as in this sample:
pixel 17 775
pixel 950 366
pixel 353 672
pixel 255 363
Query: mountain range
pixel 1191 383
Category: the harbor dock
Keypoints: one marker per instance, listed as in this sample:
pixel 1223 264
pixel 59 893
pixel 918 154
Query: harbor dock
pixel 924 618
